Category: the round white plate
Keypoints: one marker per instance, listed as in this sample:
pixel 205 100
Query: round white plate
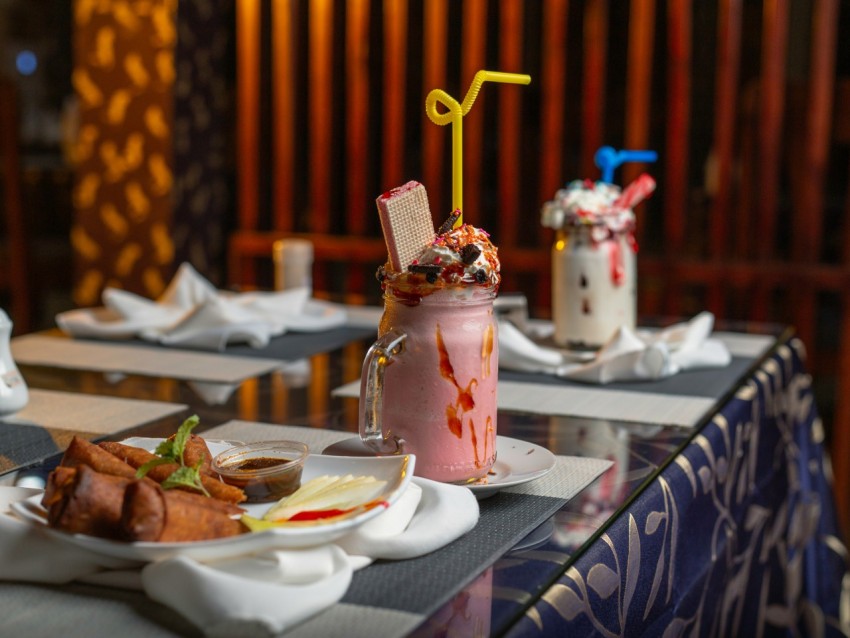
pixel 517 462
pixel 396 470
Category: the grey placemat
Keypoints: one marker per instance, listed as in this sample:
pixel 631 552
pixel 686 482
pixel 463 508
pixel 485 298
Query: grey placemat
pixel 287 347
pixel 233 365
pixel 298 345
pixel 712 383
pixel 506 518
pixel 47 423
pixel 25 445
pixel 77 610
pixel 89 412
pixel 141 358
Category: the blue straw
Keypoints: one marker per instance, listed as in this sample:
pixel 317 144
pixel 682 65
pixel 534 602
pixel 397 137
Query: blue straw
pixel 608 160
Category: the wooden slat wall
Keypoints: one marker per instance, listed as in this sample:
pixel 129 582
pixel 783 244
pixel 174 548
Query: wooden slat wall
pixel 738 225
pixel 14 273
pixel 473 56
pixel 283 105
pixel 638 87
pixel 434 57
pixel 509 131
pixel 395 80
pixel 595 43
pixel 357 123
pixel 553 77
pixel 725 110
pixel 248 27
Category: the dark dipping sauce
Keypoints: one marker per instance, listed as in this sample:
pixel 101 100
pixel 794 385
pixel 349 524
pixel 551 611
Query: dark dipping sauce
pixel 266 487
pixel 259 463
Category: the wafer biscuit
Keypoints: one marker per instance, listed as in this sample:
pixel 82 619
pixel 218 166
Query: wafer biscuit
pixel 406 222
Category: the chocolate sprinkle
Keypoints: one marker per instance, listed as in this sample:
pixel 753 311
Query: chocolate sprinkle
pixel 480 275
pixel 469 253
pixel 425 268
pixel 449 223
pixel 431 271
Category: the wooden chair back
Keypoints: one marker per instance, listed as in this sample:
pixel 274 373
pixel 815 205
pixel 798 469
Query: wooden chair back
pixel 744 222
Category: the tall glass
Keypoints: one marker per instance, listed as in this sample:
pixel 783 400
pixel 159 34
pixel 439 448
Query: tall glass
pixel 594 285
pixel 429 383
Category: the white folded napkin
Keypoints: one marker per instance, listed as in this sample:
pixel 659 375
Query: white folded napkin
pixel 192 313
pixel 272 590
pixel 628 355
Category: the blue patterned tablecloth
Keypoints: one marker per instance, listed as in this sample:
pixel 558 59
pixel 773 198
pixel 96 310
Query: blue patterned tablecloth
pixel 736 536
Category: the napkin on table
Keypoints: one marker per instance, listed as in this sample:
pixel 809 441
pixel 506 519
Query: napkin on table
pixel 275 589
pixel 628 356
pixel 192 313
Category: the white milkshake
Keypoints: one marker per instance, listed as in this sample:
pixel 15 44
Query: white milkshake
pixel 594 260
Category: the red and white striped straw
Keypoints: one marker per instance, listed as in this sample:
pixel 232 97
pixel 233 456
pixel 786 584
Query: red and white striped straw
pixel 635 192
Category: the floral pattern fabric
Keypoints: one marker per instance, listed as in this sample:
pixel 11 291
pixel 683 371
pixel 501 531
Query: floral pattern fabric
pixel 736 536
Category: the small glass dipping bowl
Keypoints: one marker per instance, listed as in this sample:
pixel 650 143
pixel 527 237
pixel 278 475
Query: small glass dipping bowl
pixel 266 471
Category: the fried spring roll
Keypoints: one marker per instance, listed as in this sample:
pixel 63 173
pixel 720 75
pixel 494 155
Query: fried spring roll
pixel 152 514
pixel 82 452
pixel 137 457
pixel 199 500
pixel 196 450
pixel 90 502
pixel 57 482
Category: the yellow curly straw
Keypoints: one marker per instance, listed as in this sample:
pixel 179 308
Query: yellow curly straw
pixel 455 114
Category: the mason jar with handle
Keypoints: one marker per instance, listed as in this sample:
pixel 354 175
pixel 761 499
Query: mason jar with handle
pixel 594 285
pixel 594 260
pixel 428 385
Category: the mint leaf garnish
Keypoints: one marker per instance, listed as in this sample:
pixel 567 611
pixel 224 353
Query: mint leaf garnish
pixel 147 467
pixel 186 477
pixel 166 449
pixel 184 432
pixel 171 451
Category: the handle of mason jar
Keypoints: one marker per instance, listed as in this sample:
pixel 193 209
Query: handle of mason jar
pixel 379 356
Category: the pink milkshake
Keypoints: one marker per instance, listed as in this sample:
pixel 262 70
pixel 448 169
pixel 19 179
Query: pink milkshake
pixel 429 382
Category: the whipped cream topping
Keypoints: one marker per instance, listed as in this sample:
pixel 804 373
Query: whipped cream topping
pixel 588 203
pixel 462 256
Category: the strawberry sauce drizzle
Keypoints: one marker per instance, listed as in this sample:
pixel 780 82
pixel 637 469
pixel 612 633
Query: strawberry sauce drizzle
pixel 617 265
pixel 465 401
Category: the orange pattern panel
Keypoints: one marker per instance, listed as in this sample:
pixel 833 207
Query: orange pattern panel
pixel 150 157
pixel 123 75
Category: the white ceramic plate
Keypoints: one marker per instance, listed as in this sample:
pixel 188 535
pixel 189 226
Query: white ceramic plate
pixel 517 462
pixel 396 470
